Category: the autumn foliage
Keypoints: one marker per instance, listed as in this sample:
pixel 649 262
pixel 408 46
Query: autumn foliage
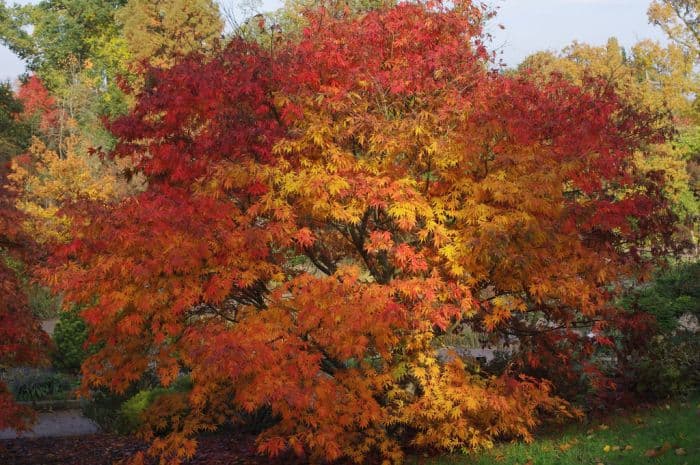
pixel 320 211
pixel 46 181
pixel 39 105
pixel 22 341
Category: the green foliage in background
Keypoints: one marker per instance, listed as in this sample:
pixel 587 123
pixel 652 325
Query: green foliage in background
pixel 14 134
pixel 31 384
pixel 70 336
pixel 130 411
pixel 674 292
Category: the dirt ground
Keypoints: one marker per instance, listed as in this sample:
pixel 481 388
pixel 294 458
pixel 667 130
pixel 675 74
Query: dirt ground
pixel 104 449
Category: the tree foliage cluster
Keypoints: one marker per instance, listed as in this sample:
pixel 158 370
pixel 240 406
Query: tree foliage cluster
pixel 292 218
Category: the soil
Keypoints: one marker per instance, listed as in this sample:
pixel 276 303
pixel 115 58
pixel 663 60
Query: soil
pixel 105 449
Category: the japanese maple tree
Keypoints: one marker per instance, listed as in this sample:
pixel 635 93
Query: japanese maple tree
pixel 319 211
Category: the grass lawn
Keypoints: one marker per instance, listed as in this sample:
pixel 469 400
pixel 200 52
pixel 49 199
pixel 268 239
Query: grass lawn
pixel 666 435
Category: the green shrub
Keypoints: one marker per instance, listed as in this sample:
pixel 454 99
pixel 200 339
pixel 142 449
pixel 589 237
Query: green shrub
pixel 104 405
pixel 673 293
pixel 122 413
pixel 665 363
pixel 131 410
pixel 70 335
pixel 669 368
pixel 30 384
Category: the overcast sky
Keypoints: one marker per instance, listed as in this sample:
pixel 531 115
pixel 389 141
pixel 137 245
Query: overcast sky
pixel 530 25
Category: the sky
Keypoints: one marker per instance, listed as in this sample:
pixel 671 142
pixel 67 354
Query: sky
pixel 534 25
pixel 530 26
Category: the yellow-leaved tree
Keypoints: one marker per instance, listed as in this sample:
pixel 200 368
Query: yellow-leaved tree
pixel 680 20
pixel 46 182
pixel 159 31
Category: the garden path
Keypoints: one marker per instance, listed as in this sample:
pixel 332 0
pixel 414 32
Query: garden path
pixel 55 424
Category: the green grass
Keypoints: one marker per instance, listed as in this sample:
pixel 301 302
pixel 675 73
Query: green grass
pixel 666 435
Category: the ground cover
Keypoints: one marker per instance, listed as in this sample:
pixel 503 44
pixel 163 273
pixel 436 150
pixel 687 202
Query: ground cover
pixel 668 434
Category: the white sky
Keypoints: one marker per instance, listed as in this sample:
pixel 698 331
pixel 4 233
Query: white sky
pixel 531 25
pixel 534 25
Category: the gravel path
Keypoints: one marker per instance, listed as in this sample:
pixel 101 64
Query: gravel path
pixel 54 424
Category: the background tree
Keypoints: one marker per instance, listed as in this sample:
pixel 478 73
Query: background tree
pixel 75 48
pixel 680 20
pixel 14 133
pixel 40 111
pixel 158 32
pixel 47 182
pixel 647 76
pixel 57 34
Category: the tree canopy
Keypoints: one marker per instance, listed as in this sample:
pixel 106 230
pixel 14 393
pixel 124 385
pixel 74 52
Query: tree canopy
pixel 157 32
pixel 317 212
pixel 680 20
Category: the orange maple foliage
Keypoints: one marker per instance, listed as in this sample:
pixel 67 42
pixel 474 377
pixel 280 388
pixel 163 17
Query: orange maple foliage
pixel 318 213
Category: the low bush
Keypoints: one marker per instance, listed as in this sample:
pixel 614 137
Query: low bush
pixel 131 411
pixel 123 413
pixel 29 385
pixel 673 293
pixel 661 359
pixel 669 368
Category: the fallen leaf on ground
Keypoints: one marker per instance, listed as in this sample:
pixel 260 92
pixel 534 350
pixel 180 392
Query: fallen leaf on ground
pixel 659 451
